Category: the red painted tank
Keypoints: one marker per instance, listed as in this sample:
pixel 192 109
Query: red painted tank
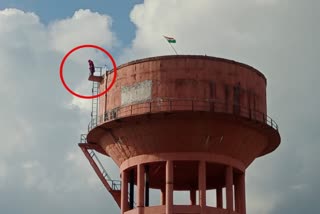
pixel 184 123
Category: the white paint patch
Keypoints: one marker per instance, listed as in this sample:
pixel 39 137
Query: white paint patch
pixel 136 93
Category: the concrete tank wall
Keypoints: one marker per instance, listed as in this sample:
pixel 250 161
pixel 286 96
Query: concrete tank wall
pixel 215 86
pixel 186 77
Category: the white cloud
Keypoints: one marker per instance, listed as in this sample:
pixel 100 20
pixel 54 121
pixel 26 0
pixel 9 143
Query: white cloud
pixel 264 2
pixel 82 104
pixel 19 135
pixel 203 27
pixel 3 173
pixel 81 167
pixel 38 126
pixel 30 164
pixel 299 187
pixel 84 27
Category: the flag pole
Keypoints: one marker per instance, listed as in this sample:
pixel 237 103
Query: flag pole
pixel 173 48
pixel 170 45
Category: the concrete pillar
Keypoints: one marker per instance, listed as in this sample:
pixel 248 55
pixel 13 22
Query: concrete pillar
pixel 237 198
pixel 219 197
pixel 163 196
pixel 140 185
pixel 146 176
pixel 169 187
pixel 193 197
pixel 124 192
pixel 229 188
pixel 131 187
pixel 202 186
pixel 241 194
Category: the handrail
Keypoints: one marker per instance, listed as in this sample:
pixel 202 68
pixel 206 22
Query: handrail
pixel 83 138
pixel 172 104
pixel 115 184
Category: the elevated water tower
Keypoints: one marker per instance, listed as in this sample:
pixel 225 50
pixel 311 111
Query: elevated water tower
pixel 183 122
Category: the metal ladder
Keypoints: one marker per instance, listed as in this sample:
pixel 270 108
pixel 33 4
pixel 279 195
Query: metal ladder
pixel 95 101
pixel 113 186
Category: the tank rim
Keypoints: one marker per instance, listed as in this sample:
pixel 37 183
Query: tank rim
pixel 211 58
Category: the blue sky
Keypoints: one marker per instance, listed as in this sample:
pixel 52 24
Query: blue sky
pixel 42 170
pixel 49 11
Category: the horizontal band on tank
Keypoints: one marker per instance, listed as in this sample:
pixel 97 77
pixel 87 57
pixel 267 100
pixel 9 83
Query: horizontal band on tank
pixel 173 57
pixel 183 156
pixel 178 104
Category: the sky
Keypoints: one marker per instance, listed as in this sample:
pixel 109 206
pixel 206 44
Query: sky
pixel 42 170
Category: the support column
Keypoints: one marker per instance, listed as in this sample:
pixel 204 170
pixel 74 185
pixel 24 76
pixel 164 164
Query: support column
pixel 169 187
pixel 146 176
pixel 131 199
pixel 229 189
pixel 124 192
pixel 140 184
pixel 219 197
pixel 241 194
pixel 193 197
pixel 202 186
pixel 163 196
pixel 237 198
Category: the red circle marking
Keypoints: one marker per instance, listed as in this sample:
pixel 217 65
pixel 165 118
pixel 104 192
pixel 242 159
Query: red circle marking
pixel 88 46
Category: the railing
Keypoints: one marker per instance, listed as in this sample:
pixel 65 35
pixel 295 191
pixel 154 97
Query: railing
pixel 93 123
pixel 83 138
pixel 174 104
pixel 115 184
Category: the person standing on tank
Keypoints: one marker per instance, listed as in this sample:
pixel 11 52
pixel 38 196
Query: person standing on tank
pixel 91 67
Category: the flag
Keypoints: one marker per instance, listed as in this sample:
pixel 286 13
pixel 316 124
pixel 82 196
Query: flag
pixel 170 39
